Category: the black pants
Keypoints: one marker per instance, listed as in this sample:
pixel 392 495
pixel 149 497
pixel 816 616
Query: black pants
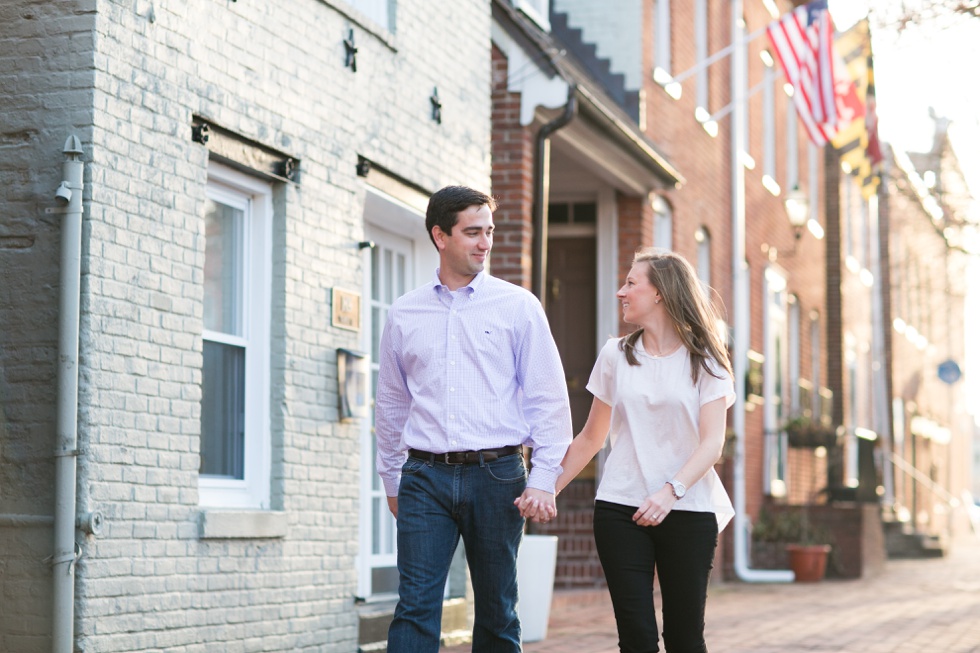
pixel 682 549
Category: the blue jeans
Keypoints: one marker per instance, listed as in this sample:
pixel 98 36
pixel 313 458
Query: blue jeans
pixel 682 549
pixel 438 504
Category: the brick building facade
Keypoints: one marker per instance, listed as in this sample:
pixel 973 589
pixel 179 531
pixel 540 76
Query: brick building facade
pixel 254 184
pixel 208 272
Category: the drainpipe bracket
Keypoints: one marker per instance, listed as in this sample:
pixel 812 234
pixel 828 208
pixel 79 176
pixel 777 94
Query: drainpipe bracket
pixel 90 523
pixel 70 558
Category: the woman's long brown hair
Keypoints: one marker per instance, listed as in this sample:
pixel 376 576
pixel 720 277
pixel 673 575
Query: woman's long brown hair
pixel 686 301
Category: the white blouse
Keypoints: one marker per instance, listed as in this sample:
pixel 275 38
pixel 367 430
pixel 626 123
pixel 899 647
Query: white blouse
pixel 654 426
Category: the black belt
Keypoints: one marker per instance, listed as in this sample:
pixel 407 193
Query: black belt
pixel 466 457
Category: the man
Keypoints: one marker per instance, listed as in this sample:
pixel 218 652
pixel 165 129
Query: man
pixel 468 372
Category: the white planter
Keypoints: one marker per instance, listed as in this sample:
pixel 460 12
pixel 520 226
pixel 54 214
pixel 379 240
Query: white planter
pixel 535 584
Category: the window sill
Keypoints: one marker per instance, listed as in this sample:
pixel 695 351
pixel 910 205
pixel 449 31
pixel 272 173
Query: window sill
pixel 243 524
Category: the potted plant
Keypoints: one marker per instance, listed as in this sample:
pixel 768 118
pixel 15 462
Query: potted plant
pixel 807 433
pixel 806 546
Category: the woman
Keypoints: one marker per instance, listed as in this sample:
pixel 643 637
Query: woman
pixel 661 393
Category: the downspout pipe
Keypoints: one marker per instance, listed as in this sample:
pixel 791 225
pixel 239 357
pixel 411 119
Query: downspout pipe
pixel 740 306
pixel 69 193
pixel 542 190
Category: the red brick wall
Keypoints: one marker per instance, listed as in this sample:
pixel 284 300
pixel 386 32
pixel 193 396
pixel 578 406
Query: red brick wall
pixel 512 151
pixel 705 202
pixel 578 564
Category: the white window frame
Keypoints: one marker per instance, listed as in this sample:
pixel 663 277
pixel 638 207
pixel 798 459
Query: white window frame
pixel 376 10
pixel 700 54
pixel 769 131
pixel 703 238
pixel 384 213
pixel 775 380
pixel 536 10
pixel 815 354
pixel 794 345
pixel 254 198
pixel 661 36
pixel 813 172
pixel 663 223
pixel 793 148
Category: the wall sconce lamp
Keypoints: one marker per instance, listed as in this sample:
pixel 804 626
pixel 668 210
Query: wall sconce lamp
pixel 797 210
pixel 352 373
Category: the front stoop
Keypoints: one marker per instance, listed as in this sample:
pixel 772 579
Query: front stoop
pixel 903 541
pixel 374 619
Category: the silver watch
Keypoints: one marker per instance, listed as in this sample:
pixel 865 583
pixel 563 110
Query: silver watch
pixel 678 488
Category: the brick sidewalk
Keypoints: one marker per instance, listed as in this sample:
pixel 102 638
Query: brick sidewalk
pixel 913 606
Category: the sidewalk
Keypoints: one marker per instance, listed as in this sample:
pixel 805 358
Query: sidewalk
pixel 914 606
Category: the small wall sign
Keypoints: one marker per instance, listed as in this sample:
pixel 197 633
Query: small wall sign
pixel 346 309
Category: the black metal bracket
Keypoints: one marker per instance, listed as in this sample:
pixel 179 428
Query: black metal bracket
pixel 363 166
pixel 288 169
pixel 436 106
pixel 350 58
pixel 200 133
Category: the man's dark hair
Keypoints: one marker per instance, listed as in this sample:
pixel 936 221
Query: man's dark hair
pixel 445 205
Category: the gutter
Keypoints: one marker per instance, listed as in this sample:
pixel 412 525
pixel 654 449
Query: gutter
pixel 623 129
pixel 542 175
pixel 740 305
pixel 66 551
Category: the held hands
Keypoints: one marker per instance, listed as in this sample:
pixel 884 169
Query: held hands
pixel 655 507
pixel 537 505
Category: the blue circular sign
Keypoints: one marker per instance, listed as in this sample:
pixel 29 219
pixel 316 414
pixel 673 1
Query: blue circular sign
pixel 949 372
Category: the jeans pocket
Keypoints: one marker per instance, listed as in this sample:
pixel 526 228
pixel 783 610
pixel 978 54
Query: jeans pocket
pixel 413 466
pixel 509 469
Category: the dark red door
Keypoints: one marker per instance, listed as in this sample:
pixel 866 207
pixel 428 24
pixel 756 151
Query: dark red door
pixel 571 309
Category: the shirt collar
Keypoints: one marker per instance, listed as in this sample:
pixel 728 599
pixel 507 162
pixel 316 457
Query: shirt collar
pixel 470 288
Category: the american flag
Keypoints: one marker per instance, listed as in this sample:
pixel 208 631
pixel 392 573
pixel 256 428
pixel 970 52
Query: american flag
pixel 803 40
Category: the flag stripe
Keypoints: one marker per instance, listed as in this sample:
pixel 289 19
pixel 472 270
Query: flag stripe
pixel 803 41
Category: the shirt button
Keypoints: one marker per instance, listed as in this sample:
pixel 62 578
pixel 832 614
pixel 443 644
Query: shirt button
pixel 452 389
pixel 452 362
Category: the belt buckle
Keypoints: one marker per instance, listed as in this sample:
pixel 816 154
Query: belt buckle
pixel 446 456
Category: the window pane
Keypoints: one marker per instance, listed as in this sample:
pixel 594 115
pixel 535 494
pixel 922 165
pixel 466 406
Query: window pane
pixel 223 411
pixel 376 327
pixel 222 268
pixel 376 274
pixel 557 213
pixel 400 274
pixel 384 579
pixel 389 281
pixel 584 213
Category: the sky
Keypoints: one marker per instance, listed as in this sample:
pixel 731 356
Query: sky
pixel 922 68
pixel 930 66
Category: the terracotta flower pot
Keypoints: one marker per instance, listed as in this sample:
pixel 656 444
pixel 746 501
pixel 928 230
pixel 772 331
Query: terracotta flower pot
pixel 808 561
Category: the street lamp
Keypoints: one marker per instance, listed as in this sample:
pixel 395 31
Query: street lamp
pixel 797 210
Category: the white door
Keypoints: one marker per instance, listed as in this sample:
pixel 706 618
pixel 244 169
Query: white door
pixel 774 381
pixel 389 271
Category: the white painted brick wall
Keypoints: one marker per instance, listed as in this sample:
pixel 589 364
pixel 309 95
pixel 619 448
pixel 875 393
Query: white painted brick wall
pixel 272 72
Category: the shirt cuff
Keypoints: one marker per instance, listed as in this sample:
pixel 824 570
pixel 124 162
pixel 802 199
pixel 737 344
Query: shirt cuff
pixel 543 479
pixel 391 485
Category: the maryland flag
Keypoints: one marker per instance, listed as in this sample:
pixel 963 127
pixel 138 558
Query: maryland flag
pixel 857 137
